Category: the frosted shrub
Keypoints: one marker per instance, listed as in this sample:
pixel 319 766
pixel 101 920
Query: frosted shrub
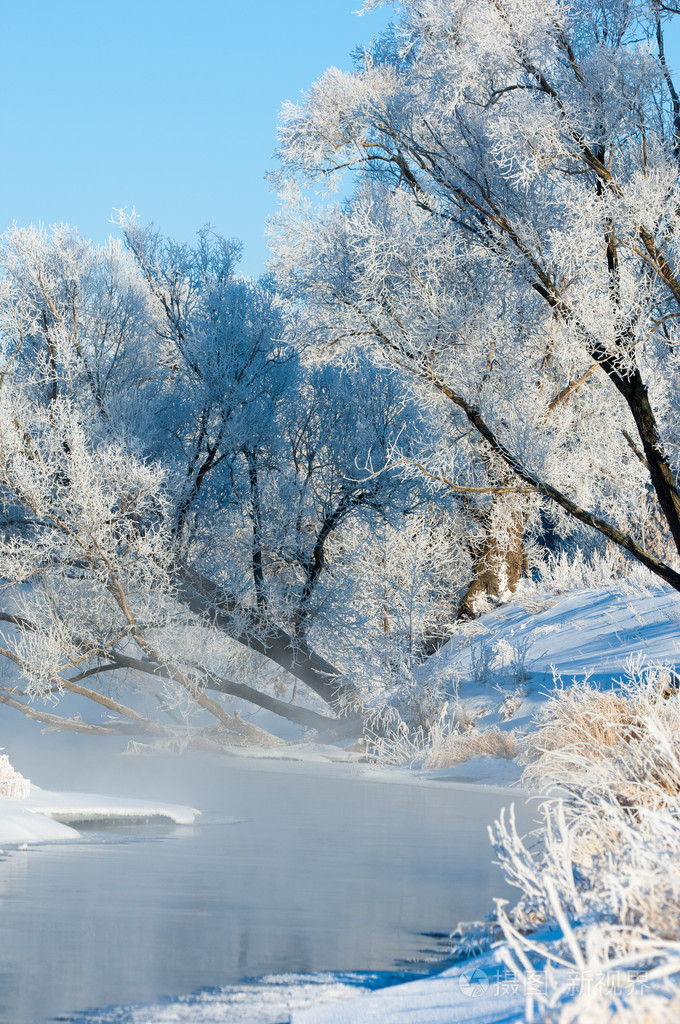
pixel 482 657
pixel 500 661
pixel 455 748
pixel 624 741
pixel 579 571
pixel 449 741
pixel 598 920
pixel 12 783
pixel 512 703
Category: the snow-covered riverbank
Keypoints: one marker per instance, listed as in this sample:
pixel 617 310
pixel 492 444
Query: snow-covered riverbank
pixel 474 993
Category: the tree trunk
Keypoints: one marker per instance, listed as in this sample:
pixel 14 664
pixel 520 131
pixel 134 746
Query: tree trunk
pixel 208 600
pixel 661 475
pixel 498 560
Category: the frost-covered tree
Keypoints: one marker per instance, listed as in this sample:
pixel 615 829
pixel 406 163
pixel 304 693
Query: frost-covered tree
pixel 511 241
pixel 175 479
pixel 276 446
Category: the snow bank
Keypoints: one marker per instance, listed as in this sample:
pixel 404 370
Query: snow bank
pixel 31 814
pixel 20 825
pixel 269 1000
pixel 500 670
pixel 588 632
pixel 75 808
pixel 475 992
pixel 487 771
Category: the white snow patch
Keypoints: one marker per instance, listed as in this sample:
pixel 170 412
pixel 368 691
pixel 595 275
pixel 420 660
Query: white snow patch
pixel 483 769
pixel 44 816
pixel 20 825
pixel 474 992
pixel 578 633
pixel 274 999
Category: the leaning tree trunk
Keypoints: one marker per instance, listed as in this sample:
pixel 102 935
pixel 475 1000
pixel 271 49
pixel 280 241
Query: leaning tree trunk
pixel 246 626
pixel 498 558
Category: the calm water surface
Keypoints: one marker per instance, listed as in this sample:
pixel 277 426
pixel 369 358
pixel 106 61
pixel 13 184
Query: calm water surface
pixel 325 870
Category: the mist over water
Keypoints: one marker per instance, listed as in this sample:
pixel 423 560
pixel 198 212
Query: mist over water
pixel 325 870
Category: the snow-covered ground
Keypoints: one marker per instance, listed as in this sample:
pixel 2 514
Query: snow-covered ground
pixel 479 994
pixel 505 665
pixel 588 632
pixel 471 993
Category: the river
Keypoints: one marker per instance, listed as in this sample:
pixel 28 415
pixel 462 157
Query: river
pixel 291 868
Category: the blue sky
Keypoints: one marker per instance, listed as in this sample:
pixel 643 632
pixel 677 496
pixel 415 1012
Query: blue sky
pixel 170 107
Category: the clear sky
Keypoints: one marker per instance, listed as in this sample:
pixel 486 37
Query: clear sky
pixel 169 106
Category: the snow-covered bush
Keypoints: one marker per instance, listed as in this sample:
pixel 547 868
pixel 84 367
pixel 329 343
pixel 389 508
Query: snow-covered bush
pixel 492 661
pixel 450 740
pixel 455 747
pixel 12 783
pixel 580 570
pixel 624 741
pixel 595 933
